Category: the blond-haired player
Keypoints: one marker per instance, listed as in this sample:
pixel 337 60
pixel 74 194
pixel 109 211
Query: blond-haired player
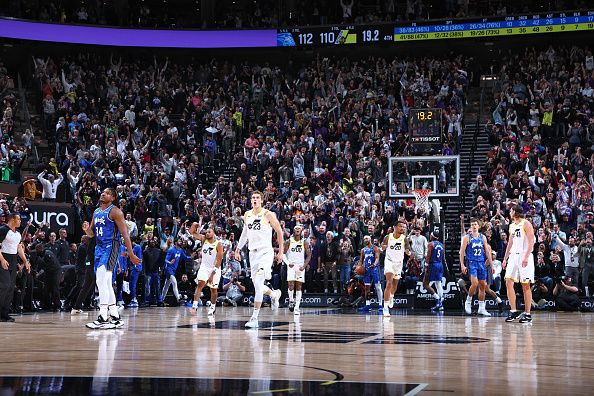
pixel 257 234
pixel 519 264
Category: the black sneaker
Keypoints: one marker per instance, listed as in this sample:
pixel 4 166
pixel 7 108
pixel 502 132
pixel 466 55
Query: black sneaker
pixel 291 306
pixel 525 318
pixel 512 316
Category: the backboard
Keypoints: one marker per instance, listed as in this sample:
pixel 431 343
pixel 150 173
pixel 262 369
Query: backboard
pixel 441 174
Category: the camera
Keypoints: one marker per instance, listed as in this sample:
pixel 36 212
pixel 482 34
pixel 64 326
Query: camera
pixel 561 278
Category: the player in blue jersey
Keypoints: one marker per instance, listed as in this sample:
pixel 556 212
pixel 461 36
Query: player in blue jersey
pixel 174 255
pixel 370 257
pixel 135 271
pixel 475 257
pixel 109 226
pixel 434 269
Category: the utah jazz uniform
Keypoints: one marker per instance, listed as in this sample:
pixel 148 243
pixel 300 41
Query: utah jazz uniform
pixel 371 274
pixel 207 265
pixel 475 257
pixel 394 255
pixel 108 237
pixel 514 270
pixel 435 270
pixel 259 236
pixel 296 256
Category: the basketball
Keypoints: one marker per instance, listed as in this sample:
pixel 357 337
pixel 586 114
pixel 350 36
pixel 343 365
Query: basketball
pixel 360 270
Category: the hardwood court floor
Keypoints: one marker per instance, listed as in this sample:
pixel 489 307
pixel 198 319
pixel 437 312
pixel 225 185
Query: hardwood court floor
pixel 433 354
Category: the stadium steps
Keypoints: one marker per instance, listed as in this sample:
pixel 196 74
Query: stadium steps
pixel 473 157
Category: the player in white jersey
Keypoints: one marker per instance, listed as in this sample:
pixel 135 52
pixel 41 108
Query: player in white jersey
pixel 396 246
pixel 209 273
pixel 519 264
pixel 257 234
pixel 297 256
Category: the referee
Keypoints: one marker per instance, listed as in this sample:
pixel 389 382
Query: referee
pixel 10 239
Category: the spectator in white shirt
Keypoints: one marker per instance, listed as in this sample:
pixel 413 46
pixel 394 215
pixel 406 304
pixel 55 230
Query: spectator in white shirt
pixel 419 244
pixel 572 259
pixel 50 185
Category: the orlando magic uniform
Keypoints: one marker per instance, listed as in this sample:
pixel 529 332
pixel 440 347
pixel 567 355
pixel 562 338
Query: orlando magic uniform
pixel 371 274
pixel 475 257
pixel 108 236
pixel 436 265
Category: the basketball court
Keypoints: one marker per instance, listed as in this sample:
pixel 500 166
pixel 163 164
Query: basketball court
pixel 325 351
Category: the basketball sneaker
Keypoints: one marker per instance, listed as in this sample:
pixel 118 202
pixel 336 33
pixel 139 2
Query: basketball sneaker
pixel 525 318
pixel 297 312
pixel 275 299
pixel 468 307
pixel 212 309
pixel 291 306
pixel 483 312
pixel 116 321
pixel 387 313
pixel 391 302
pixel 77 312
pixel 100 323
pixel 366 308
pixel 438 305
pixel 252 323
pixel 512 316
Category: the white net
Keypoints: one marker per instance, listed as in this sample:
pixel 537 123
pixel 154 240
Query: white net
pixel 422 199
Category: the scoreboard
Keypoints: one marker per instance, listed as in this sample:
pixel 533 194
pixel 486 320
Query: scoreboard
pixel 490 27
pixel 579 21
pixel 334 35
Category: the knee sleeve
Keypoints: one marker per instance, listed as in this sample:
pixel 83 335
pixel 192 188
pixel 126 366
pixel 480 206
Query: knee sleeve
pixel 103 278
pixel 378 291
pixel 439 289
pixel 259 288
pixel 110 291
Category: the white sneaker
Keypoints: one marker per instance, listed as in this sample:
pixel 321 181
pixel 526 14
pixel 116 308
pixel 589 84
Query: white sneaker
pixel 296 312
pixel 211 310
pixel 483 312
pixel 386 313
pixel 77 312
pixel 391 303
pixel 468 308
pixel 252 323
pixel 275 297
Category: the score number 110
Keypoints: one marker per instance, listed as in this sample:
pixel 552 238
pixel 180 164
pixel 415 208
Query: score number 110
pixel 325 38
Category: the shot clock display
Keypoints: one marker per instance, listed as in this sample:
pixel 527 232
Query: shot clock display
pixel 425 126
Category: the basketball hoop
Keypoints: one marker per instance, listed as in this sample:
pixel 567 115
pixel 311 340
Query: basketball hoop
pixel 422 199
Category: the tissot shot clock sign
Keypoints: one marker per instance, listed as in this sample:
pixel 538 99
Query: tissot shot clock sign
pixel 425 126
